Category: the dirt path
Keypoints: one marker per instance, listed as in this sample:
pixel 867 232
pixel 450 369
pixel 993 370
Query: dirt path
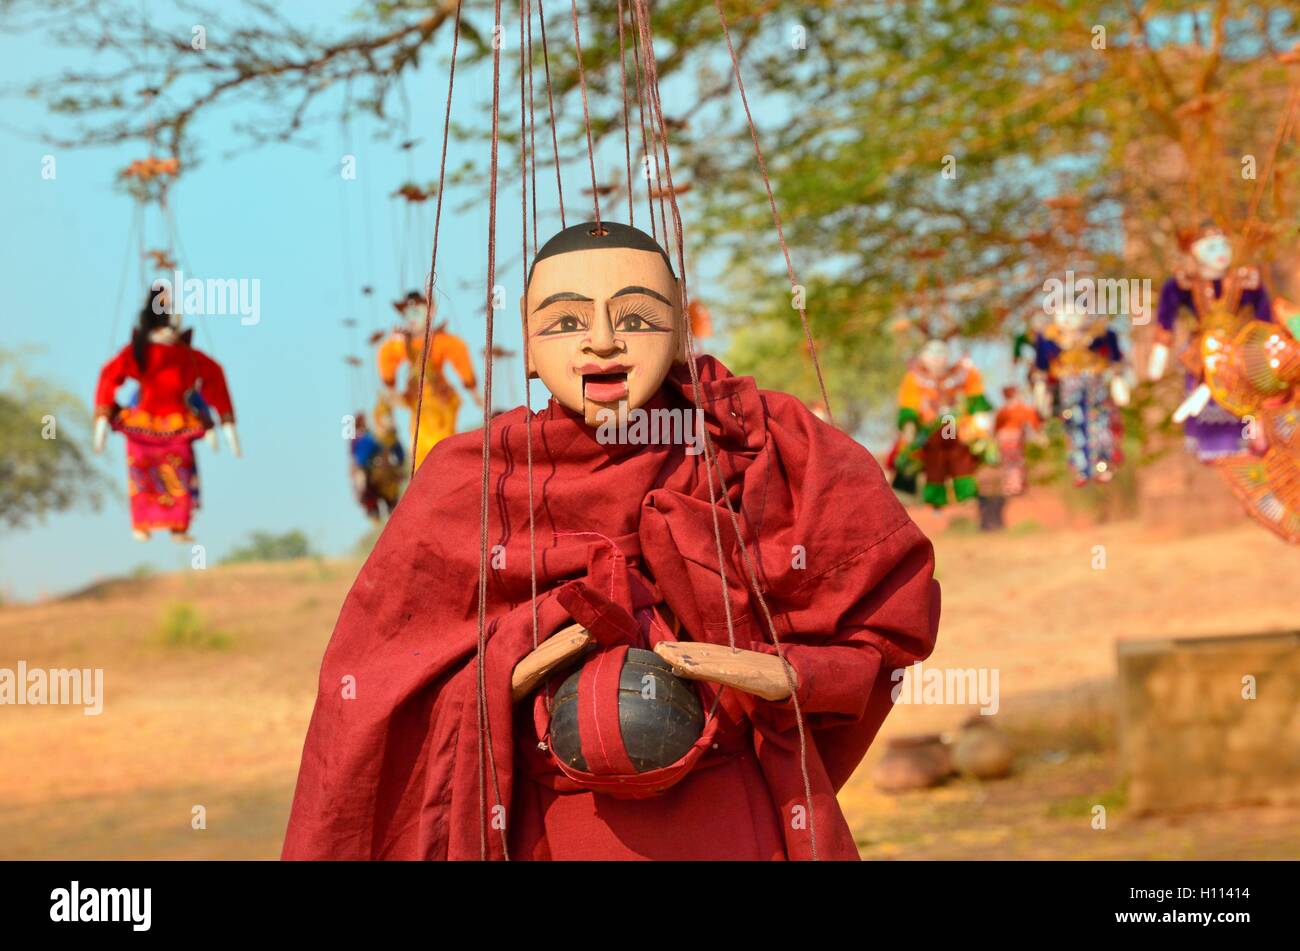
pixel 221 726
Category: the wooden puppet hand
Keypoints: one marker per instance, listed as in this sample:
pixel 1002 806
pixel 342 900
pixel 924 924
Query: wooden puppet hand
pixel 763 675
pixel 1119 392
pixel 232 437
pixel 1193 405
pixel 1158 361
pixel 1042 398
pixel 558 649
pixel 100 435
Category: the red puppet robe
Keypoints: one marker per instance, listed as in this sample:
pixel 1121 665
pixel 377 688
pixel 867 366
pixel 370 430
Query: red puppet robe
pixel 391 764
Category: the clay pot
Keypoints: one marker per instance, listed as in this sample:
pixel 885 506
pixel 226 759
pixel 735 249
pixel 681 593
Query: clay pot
pixel 982 750
pixel 913 762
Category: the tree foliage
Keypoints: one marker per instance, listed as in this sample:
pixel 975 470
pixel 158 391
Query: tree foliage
pixel 933 160
pixel 268 546
pixel 44 467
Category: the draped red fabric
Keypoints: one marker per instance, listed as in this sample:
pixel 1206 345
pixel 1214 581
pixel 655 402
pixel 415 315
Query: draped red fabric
pixel 391 766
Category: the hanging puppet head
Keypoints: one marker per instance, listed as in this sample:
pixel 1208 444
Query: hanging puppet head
pixel 155 315
pixel 935 357
pixel 1068 315
pixel 411 310
pixel 602 317
pixel 1211 250
pixel 157 310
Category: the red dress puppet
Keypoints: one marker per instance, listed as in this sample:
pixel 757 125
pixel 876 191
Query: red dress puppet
pixel 403 761
pixel 178 384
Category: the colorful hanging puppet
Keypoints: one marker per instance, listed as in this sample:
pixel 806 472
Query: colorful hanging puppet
pixel 180 388
pixel 1261 379
pixel 614 719
pixel 1082 355
pixel 944 422
pixel 377 461
pixel 433 414
pixel 1013 425
pixel 1221 299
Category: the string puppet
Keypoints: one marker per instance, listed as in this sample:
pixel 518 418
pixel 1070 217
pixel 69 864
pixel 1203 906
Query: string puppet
pixel 180 388
pixel 1221 299
pixel 432 401
pixel 944 422
pixel 1015 423
pixel 377 458
pixel 1261 379
pixel 648 687
pixel 1080 355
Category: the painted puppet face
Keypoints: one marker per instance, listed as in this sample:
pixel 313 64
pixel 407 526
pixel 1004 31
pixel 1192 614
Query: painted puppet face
pixel 413 316
pixel 1069 316
pixel 604 327
pixel 934 356
pixel 1213 255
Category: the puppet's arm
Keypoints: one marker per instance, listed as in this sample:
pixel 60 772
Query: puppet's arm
pixel 553 653
pixel 763 675
pixel 112 375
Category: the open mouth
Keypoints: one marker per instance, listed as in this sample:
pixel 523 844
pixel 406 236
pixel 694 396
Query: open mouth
pixel 604 384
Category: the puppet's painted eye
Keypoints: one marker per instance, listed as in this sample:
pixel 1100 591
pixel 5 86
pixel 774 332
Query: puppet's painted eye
pixel 566 324
pixel 638 322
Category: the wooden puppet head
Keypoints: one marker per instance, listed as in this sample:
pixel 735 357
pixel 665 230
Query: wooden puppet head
pixel 1210 250
pixel 602 318
pixel 935 356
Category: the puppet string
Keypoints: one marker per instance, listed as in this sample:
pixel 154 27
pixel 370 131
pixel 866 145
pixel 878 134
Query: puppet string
pixel 586 114
pixel 776 214
pixel 550 105
pixel 645 142
pixel 525 15
pixel 433 260
pixel 485 723
pixel 532 146
pixel 652 86
pixel 627 131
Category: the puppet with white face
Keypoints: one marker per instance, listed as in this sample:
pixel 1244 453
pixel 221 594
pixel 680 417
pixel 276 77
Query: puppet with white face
pixel 1080 353
pixel 1222 298
pixel 603 327
pixel 944 421
pixel 611 564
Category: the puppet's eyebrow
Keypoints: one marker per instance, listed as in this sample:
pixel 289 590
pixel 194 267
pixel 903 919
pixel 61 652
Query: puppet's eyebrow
pixel 638 289
pixel 563 295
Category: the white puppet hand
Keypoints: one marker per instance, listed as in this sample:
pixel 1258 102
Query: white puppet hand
pixel 1042 398
pixel 1119 391
pixel 100 435
pixel 232 438
pixel 210 437
pixel 1193 405
pixel 1158 362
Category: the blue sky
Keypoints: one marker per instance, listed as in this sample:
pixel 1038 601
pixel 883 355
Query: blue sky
pixel 274 213
pixel 277 214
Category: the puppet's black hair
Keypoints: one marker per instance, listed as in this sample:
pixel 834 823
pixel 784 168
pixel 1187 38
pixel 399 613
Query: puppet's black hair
pixel 589 236
pixel 151 318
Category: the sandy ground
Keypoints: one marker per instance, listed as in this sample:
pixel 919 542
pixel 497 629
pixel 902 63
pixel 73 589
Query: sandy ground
pixel 220 725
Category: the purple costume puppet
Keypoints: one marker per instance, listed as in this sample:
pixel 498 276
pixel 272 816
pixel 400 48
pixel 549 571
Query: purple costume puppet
pixel 1222 300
